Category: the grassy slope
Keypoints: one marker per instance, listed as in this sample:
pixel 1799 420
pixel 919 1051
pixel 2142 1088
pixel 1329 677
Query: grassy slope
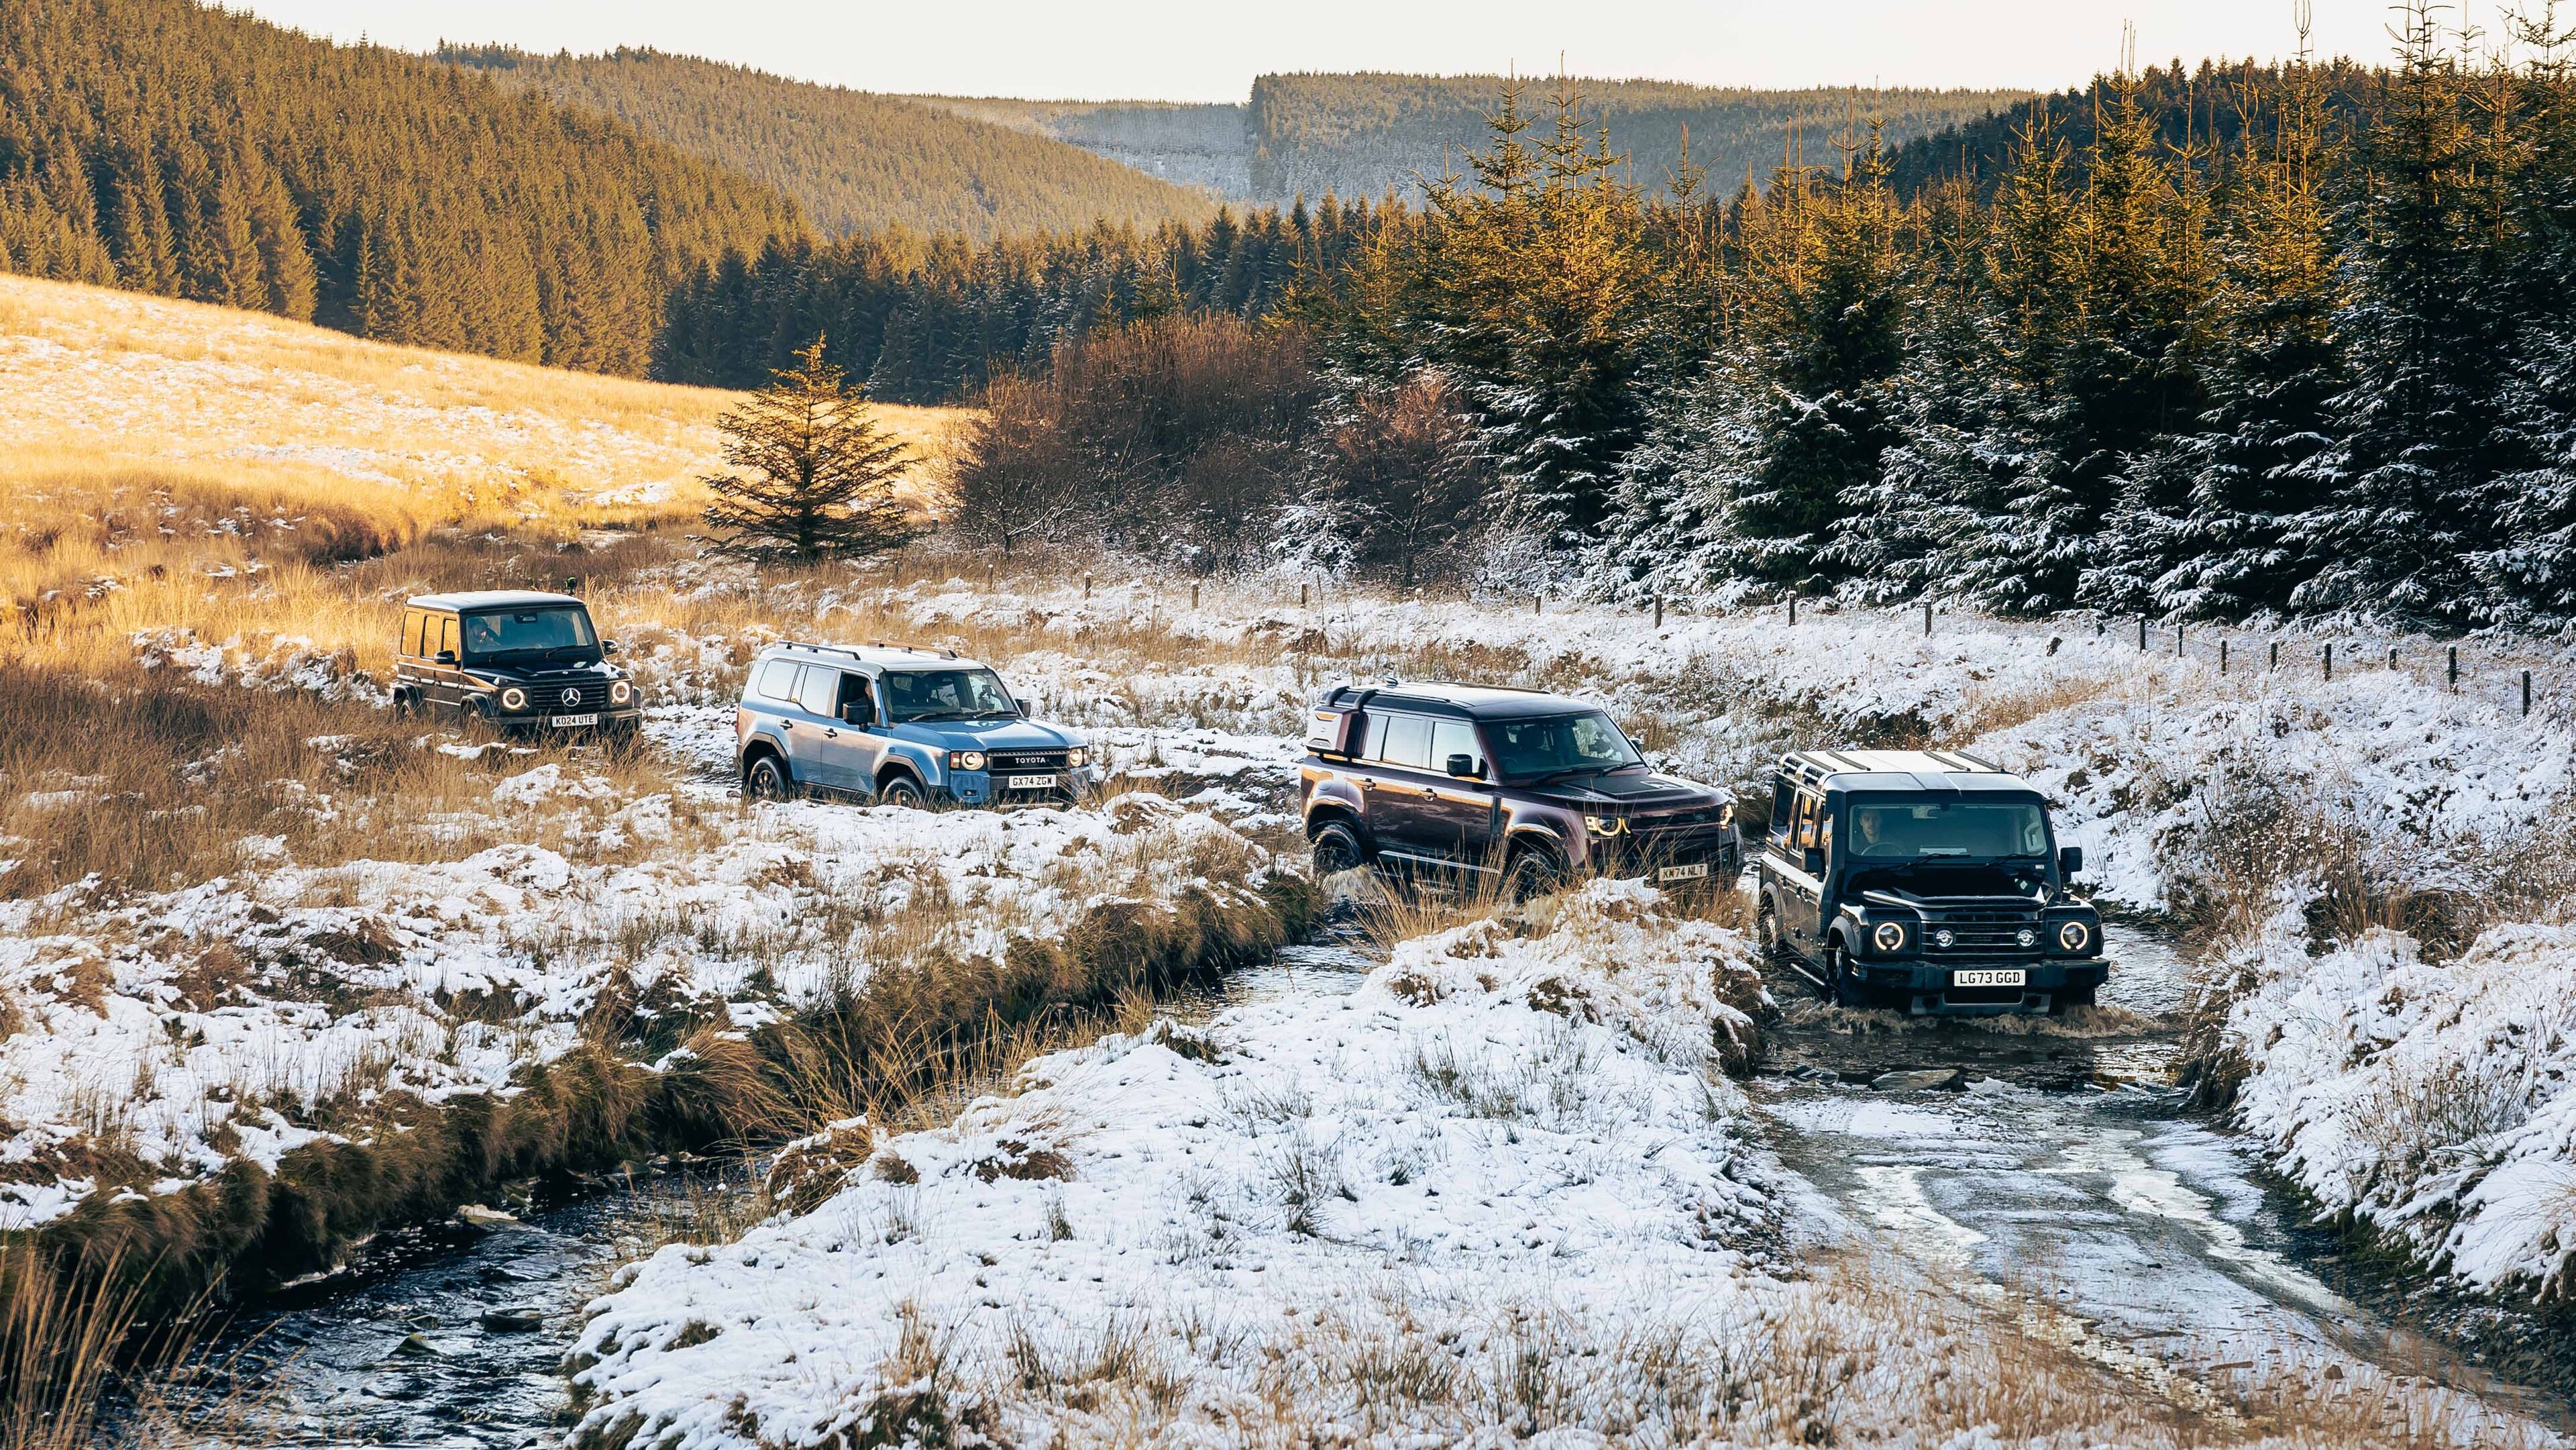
pixel 856 161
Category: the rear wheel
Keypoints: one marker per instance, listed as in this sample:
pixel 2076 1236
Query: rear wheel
pixel 768 780
pixel 903 790
pixel 1338 849
pixel 1766 934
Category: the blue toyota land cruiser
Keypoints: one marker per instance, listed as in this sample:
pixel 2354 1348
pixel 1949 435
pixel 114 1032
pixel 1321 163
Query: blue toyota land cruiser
pixel 901 726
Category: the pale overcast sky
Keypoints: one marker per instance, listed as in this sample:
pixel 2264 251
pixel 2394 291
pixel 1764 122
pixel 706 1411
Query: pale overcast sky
pixel 1198 51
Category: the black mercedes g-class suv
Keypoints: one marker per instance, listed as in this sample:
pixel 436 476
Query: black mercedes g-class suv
pixel 1515 788
pixel 512 659
pixel 1923 880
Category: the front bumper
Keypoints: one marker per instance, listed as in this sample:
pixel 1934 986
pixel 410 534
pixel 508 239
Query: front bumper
pixel 619 721
pixel 990 788
pixel 1649 855
pixel 1930 988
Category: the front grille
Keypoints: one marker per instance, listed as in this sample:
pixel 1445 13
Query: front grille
pixel 550 698
pixel 1981 931
pixel 1013 761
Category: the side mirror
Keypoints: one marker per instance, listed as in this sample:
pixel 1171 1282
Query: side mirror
pixel 1026 709
pixel 1813 862
pixel 2070 860
pixel 860 713
pixel 444 657
pixel 608 646
pixel 1637 744
pixel 1464 767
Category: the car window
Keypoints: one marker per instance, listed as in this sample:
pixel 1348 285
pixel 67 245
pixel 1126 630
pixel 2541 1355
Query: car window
pixel 1557 744
pixel 953 694
pixel 819 693
pixel 1376 744
pixel 1914 829
pixel 1408 741
pixel 855 691
pixel 1454 737
pixel 778 681
pixel 528 631
pixel 1784 806
pixel 412 619
pixel 1803 834
pixel 447 633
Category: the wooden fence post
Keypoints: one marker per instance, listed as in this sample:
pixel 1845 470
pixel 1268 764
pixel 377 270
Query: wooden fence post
pixel 2222 657
pixel 2329 659
pixel 2451 674
pixel 2276 654
pixel 1194 596
pixel 1659 611
pixel 1793 609
pixel 1086 585
pixel 1927 619
pixel 2142 634
pixel 2526 692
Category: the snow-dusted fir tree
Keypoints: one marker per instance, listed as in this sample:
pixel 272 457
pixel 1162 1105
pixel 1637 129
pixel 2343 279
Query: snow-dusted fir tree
pixel 2531 569
pixel 818 473
pixel 2212 504
pixel 1822 343
pixel 2414 479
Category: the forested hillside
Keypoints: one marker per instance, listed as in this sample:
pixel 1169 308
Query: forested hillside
pixel 856 161
pixel 1357 135
pixel 928 321
pixel 1202 145
pixel 165 147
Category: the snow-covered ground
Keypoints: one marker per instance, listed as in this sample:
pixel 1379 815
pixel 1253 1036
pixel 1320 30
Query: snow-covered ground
pixel 1317 1210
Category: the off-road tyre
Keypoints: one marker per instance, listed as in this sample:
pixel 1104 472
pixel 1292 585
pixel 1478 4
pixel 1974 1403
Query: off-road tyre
pixel 1843 992
pixel 767 780
pixel 1766 936
pixel 407 706
pixel 901 789
pixel 2065 998
pixel 1531 874
pixel 1337 849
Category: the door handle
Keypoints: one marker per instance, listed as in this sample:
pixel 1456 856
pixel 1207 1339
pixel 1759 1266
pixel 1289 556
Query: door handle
pixel 831 734
pixel 786 724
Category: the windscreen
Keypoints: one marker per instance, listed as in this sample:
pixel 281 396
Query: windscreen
pixel 529 631
pixel 1558 744
pixel 1913 830
pixel 913 695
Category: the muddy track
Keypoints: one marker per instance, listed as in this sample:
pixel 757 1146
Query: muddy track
pixel 2050 1168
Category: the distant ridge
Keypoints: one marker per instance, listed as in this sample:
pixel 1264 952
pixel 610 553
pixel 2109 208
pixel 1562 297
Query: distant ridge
pixel 1361 134
pixel 855 160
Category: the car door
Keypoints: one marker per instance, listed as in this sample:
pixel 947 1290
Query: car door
pixel 439 639
pixel 827 752
pixel 1404 797
pixel 1457 815
pixel 1802 892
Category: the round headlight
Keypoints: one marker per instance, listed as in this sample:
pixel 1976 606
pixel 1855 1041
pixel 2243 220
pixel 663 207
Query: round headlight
pixel 514 698
pixel 620 693
pixel 1890 936
pixel 2075 936
pixel 2026 937
pixel 1945 937
pixel 1077 757
pixel 966 760
pixel 1605 825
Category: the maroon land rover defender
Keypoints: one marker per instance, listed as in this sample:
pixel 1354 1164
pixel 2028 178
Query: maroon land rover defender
pixel 1476 784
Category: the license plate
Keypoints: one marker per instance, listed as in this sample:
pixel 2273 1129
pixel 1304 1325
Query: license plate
pixel 1028 782
pixel 1993 977
pixel 569 720
pixel 1683 873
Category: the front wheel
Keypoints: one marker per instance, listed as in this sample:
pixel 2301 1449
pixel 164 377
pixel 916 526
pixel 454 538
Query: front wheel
pixel 1532 874
pixel 768 780
pixel 2067 997
pixel 903 790
pixel 1338 849
pixel 1841 991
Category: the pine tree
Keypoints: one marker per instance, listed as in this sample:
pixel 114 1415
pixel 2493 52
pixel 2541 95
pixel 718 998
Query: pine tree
pixel 2414 478
pixel 822 473
pixel 2274 370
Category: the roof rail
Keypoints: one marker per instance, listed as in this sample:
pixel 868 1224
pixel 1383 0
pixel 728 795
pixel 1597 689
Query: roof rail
pixel 943 651
pixel 821 649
